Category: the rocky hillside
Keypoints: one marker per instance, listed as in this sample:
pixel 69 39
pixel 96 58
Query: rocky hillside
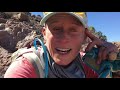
pixel 16 28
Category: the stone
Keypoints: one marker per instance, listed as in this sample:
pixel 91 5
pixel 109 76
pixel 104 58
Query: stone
pixel 2 26
pixel 2 20
pixel 21 17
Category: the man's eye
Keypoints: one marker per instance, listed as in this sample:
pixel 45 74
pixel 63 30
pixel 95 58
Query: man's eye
pixel 73 30
pixel 57 29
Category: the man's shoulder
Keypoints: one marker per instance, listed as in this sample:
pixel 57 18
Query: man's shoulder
pixel 25 50
pixel 23 62
pixel 20 68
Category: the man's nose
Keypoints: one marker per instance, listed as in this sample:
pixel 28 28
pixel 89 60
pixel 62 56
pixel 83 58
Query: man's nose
pixel 64 37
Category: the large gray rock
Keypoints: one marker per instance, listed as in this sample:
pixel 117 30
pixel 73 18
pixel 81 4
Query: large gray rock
pixel 21 17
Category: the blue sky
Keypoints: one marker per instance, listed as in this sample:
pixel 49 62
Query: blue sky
pixel 106 22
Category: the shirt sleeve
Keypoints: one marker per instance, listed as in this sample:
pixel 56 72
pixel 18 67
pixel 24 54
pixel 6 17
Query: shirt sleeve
pixel 20 68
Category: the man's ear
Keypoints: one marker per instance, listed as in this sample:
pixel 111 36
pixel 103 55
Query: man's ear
pixel 85 38
pixel 43 31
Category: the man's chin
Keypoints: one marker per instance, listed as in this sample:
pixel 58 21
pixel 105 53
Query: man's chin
pixel 61 62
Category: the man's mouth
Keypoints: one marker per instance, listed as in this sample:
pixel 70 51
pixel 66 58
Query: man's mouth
pixel 63 50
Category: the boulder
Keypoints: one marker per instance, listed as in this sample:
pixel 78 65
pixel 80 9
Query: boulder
pixel 3 34
pixel 16 30
pixel 2 26
pixel 21 17
pixel 2 20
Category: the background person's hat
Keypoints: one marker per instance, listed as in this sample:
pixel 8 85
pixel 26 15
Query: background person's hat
pixel 79 15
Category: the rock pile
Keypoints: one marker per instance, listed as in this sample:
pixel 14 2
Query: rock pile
pixel 15 29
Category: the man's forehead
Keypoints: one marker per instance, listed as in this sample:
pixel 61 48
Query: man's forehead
pixel 57 17
pixel 62 15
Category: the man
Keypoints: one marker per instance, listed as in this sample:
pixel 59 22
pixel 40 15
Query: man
pixel 64 33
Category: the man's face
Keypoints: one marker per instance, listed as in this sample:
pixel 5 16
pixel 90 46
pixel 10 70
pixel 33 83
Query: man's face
pixel 63 36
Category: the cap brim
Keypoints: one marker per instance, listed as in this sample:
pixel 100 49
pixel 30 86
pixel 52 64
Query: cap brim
pixel 46 17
